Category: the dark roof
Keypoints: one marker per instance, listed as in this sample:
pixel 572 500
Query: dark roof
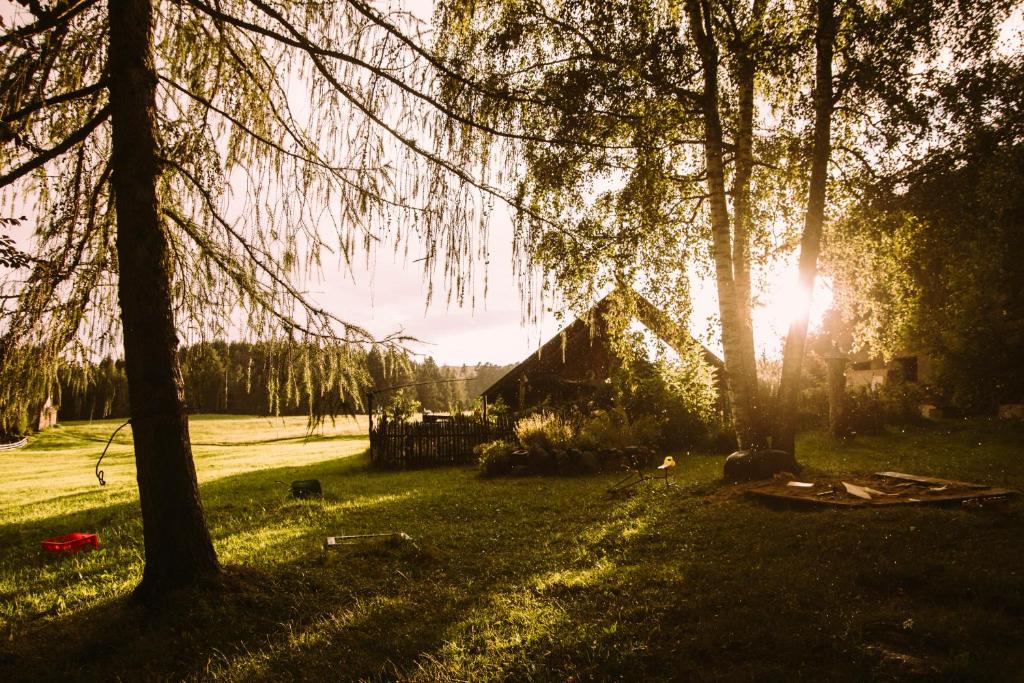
pixel 579 336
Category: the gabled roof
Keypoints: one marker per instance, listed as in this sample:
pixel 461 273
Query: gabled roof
pixel 579 335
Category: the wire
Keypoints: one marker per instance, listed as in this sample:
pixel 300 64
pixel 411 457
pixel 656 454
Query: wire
pixel 420 384
pixel 99 472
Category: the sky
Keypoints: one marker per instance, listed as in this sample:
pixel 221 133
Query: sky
pixel 392 297
pixel 389 295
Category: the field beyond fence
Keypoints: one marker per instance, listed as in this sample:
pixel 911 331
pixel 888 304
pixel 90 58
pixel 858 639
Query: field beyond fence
pixel 396 444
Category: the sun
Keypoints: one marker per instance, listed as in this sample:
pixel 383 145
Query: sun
pixel 780 301
pixel 777 298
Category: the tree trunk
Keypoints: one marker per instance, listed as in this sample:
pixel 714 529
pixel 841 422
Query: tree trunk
pixel 178 547
pixel 744 73
pixel 837 421
pixel 737 333
pixel 784 432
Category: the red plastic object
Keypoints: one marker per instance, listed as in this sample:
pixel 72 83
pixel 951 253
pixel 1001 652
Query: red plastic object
pixel 71 543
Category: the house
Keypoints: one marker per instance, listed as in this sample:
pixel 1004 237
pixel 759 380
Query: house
pixel 579 359
pixel 872 373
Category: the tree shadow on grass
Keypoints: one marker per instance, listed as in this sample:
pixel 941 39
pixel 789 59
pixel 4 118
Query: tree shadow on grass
pixel 297 608
pixel 545 579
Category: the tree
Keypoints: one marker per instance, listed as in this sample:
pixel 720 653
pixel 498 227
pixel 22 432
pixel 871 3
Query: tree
pixel 10 256
pixel 205 376
pixel 929 259
pixel 129 124
pixel 825 29
pixel 687 133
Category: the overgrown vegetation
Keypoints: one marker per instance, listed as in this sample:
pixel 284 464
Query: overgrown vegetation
pixel 868 410
pixel 545 432
pixel 513 579
pixel 658 405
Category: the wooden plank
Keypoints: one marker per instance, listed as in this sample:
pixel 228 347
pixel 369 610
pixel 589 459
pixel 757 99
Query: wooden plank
pixel 928 480
pixel 887 501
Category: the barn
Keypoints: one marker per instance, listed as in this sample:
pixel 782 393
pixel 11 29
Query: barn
pixel 575 362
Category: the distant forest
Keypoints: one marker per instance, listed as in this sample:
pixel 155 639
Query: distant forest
pixel 270 378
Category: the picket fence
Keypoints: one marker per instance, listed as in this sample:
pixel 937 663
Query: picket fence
pixel 405 445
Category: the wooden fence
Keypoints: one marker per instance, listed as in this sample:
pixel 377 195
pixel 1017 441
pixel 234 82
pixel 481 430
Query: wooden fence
pixel 405 445
pixel 12 446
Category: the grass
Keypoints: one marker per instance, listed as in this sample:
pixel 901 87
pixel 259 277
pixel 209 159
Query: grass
pixel 516 579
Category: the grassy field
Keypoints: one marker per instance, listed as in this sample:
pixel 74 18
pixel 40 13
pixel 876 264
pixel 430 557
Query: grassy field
pixel 515 579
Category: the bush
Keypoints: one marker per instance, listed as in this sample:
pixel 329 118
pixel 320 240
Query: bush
pixel 614 429
pixel 495 457
pixel 901 402
pixel 721 440
pixel 565 444
pixel 812 412
pixel 545 432
pixel 897 403
pixel 864 412
pixel 677 398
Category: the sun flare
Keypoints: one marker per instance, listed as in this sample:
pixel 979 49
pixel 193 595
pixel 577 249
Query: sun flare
pixel 779 303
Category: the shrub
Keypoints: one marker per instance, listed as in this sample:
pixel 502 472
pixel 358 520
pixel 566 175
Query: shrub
pixel 677 397
pixel 614 429
pixel 545 431
pixel 901 402
pixel 812 412
pixel 495 457
pixel 864 412
pixel 892 404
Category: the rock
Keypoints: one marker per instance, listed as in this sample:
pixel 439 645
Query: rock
pixel 588 461
pixel 759 464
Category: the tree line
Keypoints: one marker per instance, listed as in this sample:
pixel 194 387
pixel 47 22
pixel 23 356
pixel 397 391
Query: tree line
pixel 272 378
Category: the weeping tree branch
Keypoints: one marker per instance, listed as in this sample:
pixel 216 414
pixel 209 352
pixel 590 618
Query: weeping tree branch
pixel 38 104
pixel 60 15
pixel 300 41
pixel 260 259
pixel 49 155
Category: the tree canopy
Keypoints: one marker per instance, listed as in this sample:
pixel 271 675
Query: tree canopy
pixel 187 164
pixel 291 138
pixel 929 259
pixel 701 136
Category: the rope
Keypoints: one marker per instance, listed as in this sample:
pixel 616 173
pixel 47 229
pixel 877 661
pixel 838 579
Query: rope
pixel 99 472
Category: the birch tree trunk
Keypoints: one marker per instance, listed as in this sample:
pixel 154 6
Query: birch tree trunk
pixel 737 332
pixel 177 544
pixel 784 428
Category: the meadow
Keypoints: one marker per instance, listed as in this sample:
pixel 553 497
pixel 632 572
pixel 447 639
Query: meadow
pixel 527 578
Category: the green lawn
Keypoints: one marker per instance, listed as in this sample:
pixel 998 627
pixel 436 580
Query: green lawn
pixel 518 579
